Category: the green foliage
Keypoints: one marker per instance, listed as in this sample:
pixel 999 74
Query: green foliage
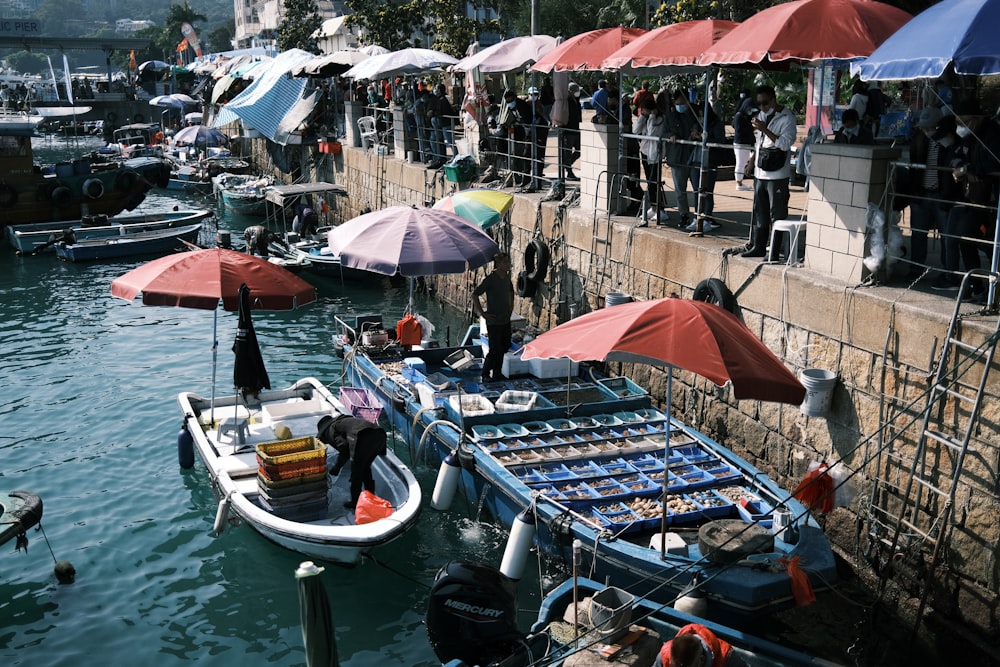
pixel 28 63
pixel 392 23
pixel 220 38
pixel 387 23
pixel 299 24
pixel 454 30
pixel 692 10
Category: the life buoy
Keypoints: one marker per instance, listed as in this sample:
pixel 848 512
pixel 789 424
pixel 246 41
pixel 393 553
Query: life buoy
pixel 126 179
pixel 526 287
pixel 8 195
pixel 138 118
pixel 93 188
pixel 536 260
pixel 112 117
pixel 62 196
pixel 715 291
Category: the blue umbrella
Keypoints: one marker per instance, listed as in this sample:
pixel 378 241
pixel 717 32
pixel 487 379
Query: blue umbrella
pixel 954 32
pixel 200 135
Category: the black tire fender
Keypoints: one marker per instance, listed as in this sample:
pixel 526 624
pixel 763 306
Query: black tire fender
pixel 126 179
pixel 112 117
pixel 713 290
pixel 62 196
pixel 536 260
pixel 526 287
pixel 93 188
pixel 138 118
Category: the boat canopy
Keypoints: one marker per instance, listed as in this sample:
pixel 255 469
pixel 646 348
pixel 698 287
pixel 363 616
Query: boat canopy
pixel 282 194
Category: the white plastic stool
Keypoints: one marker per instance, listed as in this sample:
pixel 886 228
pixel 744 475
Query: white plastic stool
pixel 236 426
pixel 795 229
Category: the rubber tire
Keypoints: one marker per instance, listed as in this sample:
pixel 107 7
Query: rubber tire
pixel 8 196
pixel 727 541
pixel 126 180
pixel 62 196
pixel 88 185
pixel 715 291
pixel 536 260
pixel 526 287
pixel 138 118
pixel 112 117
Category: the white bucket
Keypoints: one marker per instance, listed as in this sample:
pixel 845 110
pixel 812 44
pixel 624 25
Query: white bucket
pixel 616 298
pixel 411 156
pixel 819 386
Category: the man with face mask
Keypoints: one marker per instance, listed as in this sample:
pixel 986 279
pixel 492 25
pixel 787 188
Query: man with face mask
pixel 539 123
pixel 571 131
pixel 933 186
pixel 976 163
pixel 652 126
pixel 774 126
pixel 681 123
pixel 853 132
pixel 513 137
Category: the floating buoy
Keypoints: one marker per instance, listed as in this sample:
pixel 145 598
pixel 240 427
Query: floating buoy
pixel 65 572
pixel 522 535
pixel 692 599
pixel 222 515
pixel 185 448
pixel 447 481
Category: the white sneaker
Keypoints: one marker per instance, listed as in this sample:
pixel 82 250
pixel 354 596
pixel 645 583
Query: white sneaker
pixel 710 225
pixel 651 213
pixel 693 227
pixel 662 217
pixel 743 187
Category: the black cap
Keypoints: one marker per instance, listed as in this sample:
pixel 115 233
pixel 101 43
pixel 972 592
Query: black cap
pixel 324 421
pixel 945 127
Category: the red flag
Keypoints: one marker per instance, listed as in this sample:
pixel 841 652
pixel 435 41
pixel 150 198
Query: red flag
pixel 131 60
pixel 183 45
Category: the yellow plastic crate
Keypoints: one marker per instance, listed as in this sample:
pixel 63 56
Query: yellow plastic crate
pixel 295 450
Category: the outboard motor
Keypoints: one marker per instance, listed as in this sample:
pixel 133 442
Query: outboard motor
pixel 472 614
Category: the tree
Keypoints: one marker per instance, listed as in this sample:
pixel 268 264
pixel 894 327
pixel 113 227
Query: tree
pixel 388 23
pixel 299 25
pixel 454 29
pixel 28 63
pixel 221 38
pixel 167 37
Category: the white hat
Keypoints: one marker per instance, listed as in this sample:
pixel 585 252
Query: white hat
pixel 532 91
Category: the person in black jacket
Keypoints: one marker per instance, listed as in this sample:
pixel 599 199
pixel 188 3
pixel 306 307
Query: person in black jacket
pixel 743 137
pixel 356 440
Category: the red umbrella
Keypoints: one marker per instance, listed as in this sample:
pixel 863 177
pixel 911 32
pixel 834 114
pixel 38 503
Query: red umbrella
pixel 202 278
pixel 670 48
pixel 693 335
pixel 808 30
pixel 586 51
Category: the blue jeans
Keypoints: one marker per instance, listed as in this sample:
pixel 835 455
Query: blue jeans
pixel 443 137
pixel 424 141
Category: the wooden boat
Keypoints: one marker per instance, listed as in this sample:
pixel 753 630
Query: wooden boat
pixel 138 243
pixel 243 194
pixel 197 177
pixel 19 512
pixel 228 439
pixel 585 455
pixel 65 191
pixel 39 237
pixel 606 617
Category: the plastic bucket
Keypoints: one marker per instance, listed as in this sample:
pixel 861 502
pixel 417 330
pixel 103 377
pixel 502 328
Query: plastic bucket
pixel 611 609
pixel 616 298
pixel 819 386
pixel 81 167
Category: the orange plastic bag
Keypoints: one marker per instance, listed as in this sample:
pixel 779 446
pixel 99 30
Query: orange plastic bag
pixel 816 489
pixel 802 588
pixel 371 508
pixel 409 330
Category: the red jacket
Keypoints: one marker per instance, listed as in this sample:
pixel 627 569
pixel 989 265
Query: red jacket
pixel 720 648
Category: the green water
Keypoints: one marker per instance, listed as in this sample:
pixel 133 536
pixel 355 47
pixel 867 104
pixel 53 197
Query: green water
pixel 89 421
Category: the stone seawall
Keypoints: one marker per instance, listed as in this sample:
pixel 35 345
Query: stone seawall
pixel 883 343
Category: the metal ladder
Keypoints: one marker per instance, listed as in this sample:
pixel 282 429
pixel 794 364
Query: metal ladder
pixel 599 269
pixel 925 498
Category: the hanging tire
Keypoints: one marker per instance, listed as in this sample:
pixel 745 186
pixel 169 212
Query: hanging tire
pixel 715 291
pixel 526 287
pixel 138 118
pixel 62 196
pixel 8 196
pixel 112 117
pixel 125 180
pixel 536 260
pixel 93 188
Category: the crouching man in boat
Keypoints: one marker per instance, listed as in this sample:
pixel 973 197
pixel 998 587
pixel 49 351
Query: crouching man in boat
pixel 694 646
pixel 356 440
pixel 257 237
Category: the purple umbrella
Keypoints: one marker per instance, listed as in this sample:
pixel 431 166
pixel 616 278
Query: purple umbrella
pixel 412 241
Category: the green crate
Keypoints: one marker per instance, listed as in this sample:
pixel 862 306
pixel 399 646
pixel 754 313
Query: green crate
pixel 463 172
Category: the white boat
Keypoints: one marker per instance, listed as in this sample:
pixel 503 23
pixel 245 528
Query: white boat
pixel 227 439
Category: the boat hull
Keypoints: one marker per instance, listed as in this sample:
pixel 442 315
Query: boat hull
pixel 132 245
pixel 19 511
pixel 736 593
pixel 333 537
pixel 39 237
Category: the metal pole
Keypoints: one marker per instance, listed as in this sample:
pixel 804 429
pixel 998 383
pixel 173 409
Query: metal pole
pixel 666 466
pixel 991 290
pixel 700 212
pixel 536 18
pixel 215 352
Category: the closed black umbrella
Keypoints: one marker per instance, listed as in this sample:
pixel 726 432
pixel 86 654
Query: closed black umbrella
pixel 314 613
pixel 249 374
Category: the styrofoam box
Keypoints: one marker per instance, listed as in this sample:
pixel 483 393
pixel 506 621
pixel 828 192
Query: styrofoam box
pixel 553 368
pixel 514 365
pixel 275 412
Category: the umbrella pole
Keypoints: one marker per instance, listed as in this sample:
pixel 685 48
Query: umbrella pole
pixel 215 352
pixel 410 306
pixel 991 300
pixel 666 466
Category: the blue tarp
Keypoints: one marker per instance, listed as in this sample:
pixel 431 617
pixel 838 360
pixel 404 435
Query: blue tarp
pixel 962 32
pixel 265 102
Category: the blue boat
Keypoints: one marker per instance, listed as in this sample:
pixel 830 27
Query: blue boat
pixel 243 195
pixel 160 241
pixel 586 462
pixel 606 619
